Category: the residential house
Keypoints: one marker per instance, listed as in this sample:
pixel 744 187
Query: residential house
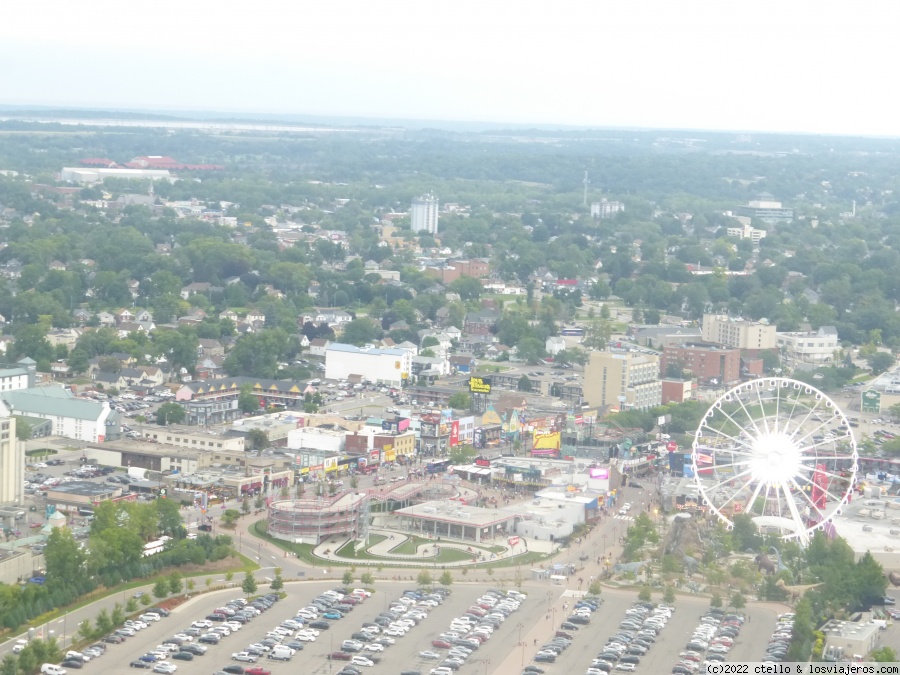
pixel 126 329
pixel 59 369
pixel 254 318
pixel 230 315
pixel 555 344
pixel 82 316
pixel 480 322
pixel 134 287
pixel 124 316
pixel 304 341
pixel 109 380
pixel 64 336
pixel 442 316
pixel 210 367
pixel 318 347
pixel 462 363
pixel 199 287
pixel 106 319
pixel 209 347
pixel 144 376
pixel 143 316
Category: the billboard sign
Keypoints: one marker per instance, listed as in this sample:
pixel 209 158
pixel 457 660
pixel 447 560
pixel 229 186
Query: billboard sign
pixel 600 474
pixel 819 487
pixel 402 425
pixel 454 433
pixel 480 385
pixel 871 401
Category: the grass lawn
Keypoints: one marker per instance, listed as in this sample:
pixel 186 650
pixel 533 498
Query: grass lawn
pixel 410 546
pixel 347 550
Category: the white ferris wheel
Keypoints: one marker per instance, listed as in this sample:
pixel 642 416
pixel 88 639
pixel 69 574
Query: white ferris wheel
pixel 779 451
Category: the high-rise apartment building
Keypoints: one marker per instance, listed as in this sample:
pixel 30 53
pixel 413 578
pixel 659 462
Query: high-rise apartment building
pixel 12 461
pixel 627 381
pixel 423 215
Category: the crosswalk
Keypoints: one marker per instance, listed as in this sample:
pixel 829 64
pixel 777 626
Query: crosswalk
pixel 630 519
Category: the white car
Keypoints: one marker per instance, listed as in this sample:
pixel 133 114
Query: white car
pixel 243 656
pixel 361 661
pixel 394 632
pixel 202 624
pixel 374 647
pixel 149 616
pixel 305 637
pixel 430 655
pixel 183 637
pixel 165 667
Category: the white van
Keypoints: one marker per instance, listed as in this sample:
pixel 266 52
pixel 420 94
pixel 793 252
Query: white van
pixel 281 653
pixel 52 669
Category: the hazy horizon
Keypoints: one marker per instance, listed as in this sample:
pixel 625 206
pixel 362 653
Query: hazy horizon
pixel 801 67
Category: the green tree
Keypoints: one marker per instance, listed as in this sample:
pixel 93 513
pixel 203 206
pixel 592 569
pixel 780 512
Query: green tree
pixel 424 579
pixel 462 454
pixel 461 400
pixel 230 518
pixel 176 585
pixel 880 362
pixel 446 578
pixel 169 413
pixel 645 594
pixel 245 505
pixel 738 601
pixel 361 331
pixel 715 601
pixel 85 630
pixel 145 600
pixel 278 582
pixel 367 579
pixel 524 383
pixel 258 439
pixel 882 655
pixel 9 665
pixel 597 333
pixel 347 578
pixel 117 616
pixel 248 585
pixel 248 402
pixel 595 588
pixel 103 622
pixel 161 588
pixel 64 559
pixel 669 595
pixel 131 606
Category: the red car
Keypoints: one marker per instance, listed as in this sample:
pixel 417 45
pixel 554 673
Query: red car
pixel 441 644
pixel 257 670
pixel 340 656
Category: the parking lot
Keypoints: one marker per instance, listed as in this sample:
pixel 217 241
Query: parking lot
pixel 512 644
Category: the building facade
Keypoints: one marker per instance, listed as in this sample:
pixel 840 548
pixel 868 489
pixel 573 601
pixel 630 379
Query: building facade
pixel 606 208
pixel 767 209
pixel 316 519
pixel 810 347
pixel 380 366
pixel 627 381
pixel 738 333
pixel 709 363
pixel 12 461
pixel 71 417
pixel 423 215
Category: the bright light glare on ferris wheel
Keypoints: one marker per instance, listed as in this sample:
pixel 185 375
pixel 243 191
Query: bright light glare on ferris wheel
pixel 779 451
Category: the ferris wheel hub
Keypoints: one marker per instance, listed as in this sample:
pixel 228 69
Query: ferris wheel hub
pixel 776 457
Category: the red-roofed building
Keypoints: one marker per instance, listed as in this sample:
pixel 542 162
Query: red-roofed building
pixel 170 163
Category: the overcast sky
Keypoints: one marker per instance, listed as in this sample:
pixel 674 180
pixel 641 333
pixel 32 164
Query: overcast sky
pixel 787 65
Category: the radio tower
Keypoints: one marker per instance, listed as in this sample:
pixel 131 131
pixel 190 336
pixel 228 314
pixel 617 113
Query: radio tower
pixel 586 182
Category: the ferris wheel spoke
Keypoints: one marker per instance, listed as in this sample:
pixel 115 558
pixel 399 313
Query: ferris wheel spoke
pixel 736 440
pixel 750 417
pixel 752 502
pixel 792 507
pixel 733 496
pixel 762 407
pixel 812 504
pixel 727 480
pixel 716 467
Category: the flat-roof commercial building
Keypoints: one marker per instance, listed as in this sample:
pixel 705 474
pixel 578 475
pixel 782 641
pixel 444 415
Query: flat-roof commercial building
pixel 313 520
pixel 187 438
pixel 850 639
pixel 809 347
pixel 709 363
pixel 381 366
pixel 72 174
pixel 80 494
pixel 456 520
pixel 767 209
pixel 738 333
